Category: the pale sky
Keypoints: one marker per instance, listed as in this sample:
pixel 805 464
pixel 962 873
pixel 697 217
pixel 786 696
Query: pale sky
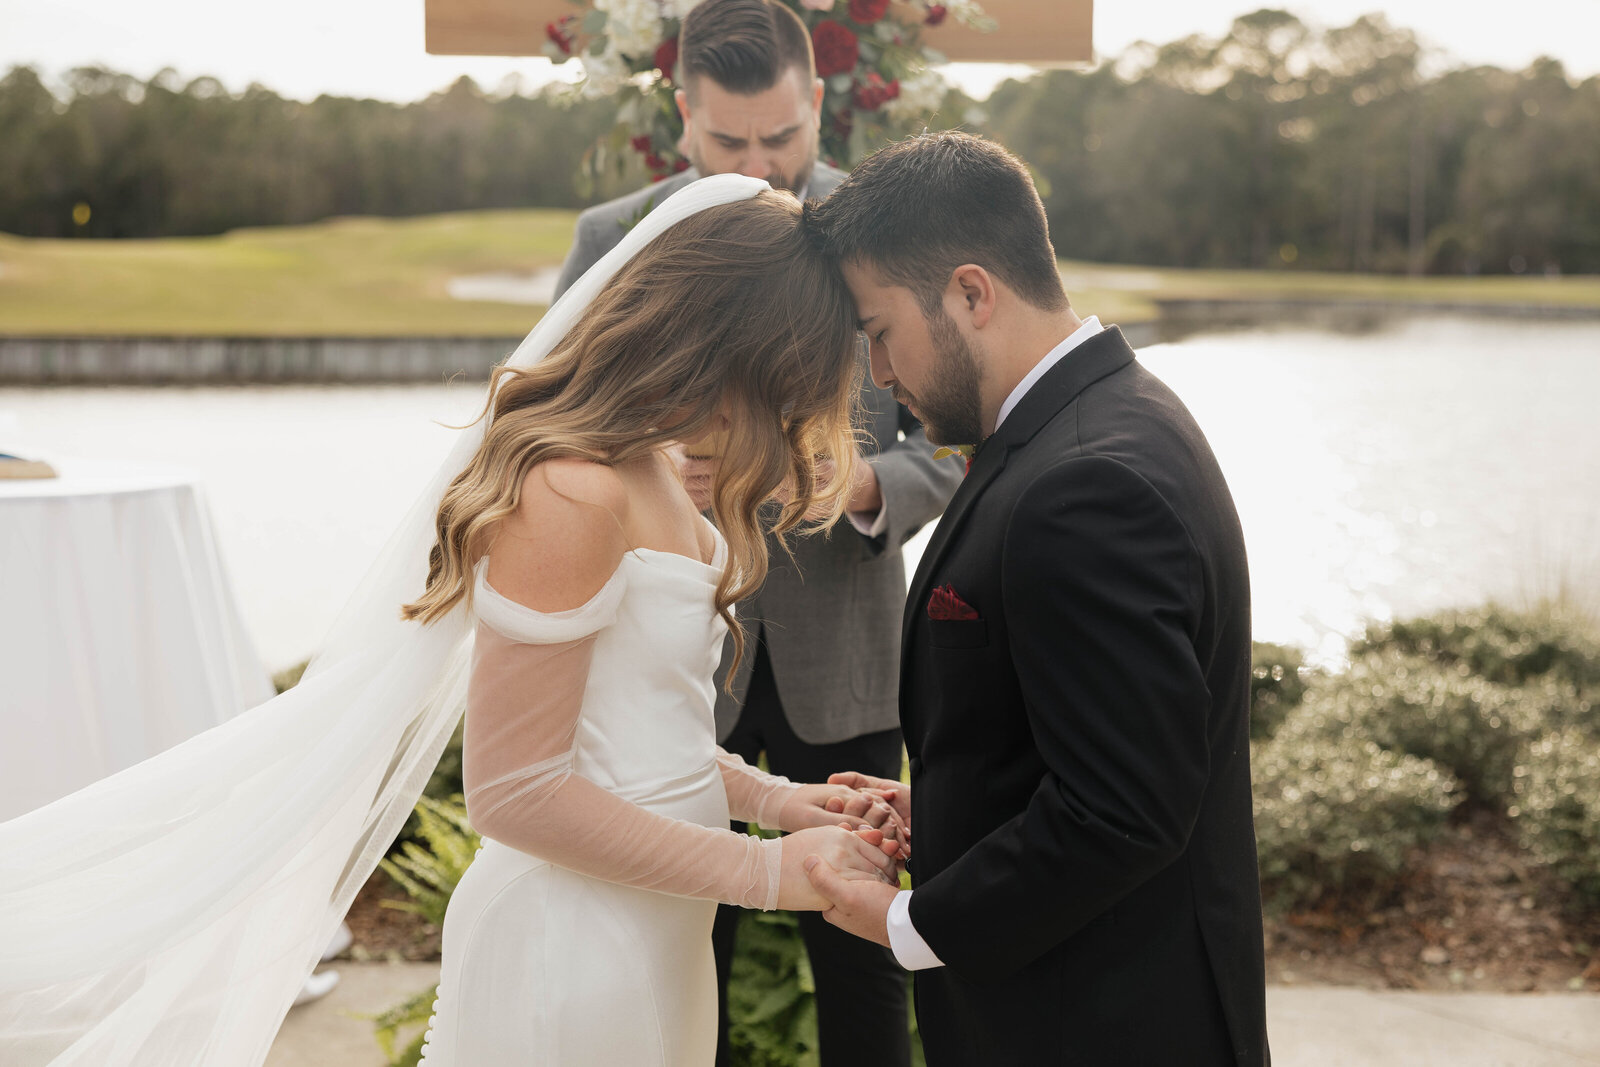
pixel 301 48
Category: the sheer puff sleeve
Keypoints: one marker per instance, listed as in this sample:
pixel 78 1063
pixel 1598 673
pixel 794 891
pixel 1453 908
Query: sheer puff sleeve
pixel 524 703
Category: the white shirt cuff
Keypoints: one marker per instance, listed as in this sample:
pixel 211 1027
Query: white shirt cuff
pixel 868 525
pixel 907 945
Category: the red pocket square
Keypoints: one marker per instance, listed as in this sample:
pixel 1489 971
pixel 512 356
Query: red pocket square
pixel 946 604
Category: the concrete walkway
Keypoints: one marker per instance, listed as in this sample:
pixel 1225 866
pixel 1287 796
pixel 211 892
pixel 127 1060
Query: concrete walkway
pixel 1309 1027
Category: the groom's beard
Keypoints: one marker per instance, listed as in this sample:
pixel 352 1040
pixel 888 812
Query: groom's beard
pixel 949 405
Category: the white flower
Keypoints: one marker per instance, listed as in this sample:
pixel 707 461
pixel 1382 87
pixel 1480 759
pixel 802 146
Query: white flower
pixel 633 27
pixel 920 95
pixel 676 9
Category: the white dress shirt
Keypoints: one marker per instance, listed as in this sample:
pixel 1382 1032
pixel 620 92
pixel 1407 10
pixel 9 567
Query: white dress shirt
pixel 908 946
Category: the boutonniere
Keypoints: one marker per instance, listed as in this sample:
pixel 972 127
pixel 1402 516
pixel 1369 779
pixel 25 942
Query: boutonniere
pixel 966 452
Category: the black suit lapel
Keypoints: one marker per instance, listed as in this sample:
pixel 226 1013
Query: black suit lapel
pixel 988 463
pixel 1097 357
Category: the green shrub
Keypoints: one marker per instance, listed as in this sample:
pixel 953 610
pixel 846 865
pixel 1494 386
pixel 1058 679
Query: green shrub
pixel 429 871
pixel 1557 807
pixel 1475 728
pixel 1278 677
pixel 1337 813
pixel 1499 644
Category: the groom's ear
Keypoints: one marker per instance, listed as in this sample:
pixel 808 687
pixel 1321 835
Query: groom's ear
pixel 972 290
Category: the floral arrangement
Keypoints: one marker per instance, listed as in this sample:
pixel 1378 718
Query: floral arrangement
pixel 879 77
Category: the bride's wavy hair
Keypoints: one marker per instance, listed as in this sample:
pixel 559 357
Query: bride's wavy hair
pixel 733 302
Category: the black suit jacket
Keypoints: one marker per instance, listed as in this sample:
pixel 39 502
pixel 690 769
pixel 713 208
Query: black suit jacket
pixel 1084 859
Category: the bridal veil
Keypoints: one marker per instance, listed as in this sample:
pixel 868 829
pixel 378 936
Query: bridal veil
pixel 167 915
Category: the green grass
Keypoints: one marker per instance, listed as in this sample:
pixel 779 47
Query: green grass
pixel 344 277
pixel 387 277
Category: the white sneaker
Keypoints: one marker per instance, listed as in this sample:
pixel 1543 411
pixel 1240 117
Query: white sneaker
pixel 341 941
pixel 316 987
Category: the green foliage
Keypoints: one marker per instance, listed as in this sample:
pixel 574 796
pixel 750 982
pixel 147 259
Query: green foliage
pixel 1277 146
pixel 772 1003
pixel 430 870
pixel 1338 813
pixel 1473 727
pixel 1283 145
pixel 407 1020
pixel 161 157
pixel 1500 645
pixel 1557 807
pixel 1492 705
pixel 1278 677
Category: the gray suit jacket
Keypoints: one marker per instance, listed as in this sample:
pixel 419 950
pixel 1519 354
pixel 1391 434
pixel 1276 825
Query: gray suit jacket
pixel 832 625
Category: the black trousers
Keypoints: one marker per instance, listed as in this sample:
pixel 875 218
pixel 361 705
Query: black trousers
pixel 861 989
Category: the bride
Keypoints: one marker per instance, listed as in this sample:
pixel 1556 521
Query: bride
pixel 575 602
pixel 582 932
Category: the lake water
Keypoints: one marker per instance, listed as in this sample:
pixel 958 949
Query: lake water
pixel 1433 462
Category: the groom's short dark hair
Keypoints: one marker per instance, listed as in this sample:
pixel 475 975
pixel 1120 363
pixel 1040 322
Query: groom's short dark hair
pixel 743 45
pixel 920 208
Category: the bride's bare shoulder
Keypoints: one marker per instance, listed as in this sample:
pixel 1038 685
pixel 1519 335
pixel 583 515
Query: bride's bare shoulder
pixel 566 537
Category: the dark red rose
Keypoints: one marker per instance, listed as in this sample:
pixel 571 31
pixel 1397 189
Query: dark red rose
pixel 867 12
pixel 560 32
pixel 680 166
pixel 658 178
pixel 655 162
pixel 838 50
pixel 642 143
pixel 667 57
pixel 873 93
pixel 936 14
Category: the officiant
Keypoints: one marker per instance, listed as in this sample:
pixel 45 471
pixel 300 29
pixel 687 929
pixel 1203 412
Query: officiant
pixel 819 693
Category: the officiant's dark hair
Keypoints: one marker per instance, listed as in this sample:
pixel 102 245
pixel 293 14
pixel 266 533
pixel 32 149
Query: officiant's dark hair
pixel 920 208
pixel 745 46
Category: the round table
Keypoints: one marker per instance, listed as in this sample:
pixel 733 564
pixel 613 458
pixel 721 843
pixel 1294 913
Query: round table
pixel 119 636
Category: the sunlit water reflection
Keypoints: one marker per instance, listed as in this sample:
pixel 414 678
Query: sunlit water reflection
pixel 1436 462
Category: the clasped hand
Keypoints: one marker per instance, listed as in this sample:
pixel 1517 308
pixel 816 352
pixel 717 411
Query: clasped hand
pixel 858 832
pixel 858 906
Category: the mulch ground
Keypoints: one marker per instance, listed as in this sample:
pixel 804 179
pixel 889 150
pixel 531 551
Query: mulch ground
pixel 1473 914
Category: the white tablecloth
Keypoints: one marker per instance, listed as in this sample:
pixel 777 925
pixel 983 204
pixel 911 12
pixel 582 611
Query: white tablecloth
pixel 118 631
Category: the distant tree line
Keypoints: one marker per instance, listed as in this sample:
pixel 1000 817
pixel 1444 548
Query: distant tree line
pixel 1279 145
pixel 162 158
pixel 1282 145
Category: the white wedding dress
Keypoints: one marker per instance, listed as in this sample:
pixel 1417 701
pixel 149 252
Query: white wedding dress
pixel 581 934
pixel 168 914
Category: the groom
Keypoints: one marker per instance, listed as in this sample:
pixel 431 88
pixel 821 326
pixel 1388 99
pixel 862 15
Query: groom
pixel 1076 655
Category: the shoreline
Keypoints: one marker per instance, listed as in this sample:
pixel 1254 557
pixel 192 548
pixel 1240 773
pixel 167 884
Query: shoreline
pixel 44 359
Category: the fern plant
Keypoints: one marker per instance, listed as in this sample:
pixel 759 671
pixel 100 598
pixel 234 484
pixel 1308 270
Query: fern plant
pixel 410 1014
pixel 430 871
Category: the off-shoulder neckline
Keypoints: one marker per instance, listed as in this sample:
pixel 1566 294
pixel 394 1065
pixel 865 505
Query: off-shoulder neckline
pixel 719 552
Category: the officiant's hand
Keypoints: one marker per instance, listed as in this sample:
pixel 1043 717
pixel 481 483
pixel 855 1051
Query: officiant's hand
pixel 823 805
pixel 896 794
pixel 854 906
pixel 866 496
pixel 863 855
